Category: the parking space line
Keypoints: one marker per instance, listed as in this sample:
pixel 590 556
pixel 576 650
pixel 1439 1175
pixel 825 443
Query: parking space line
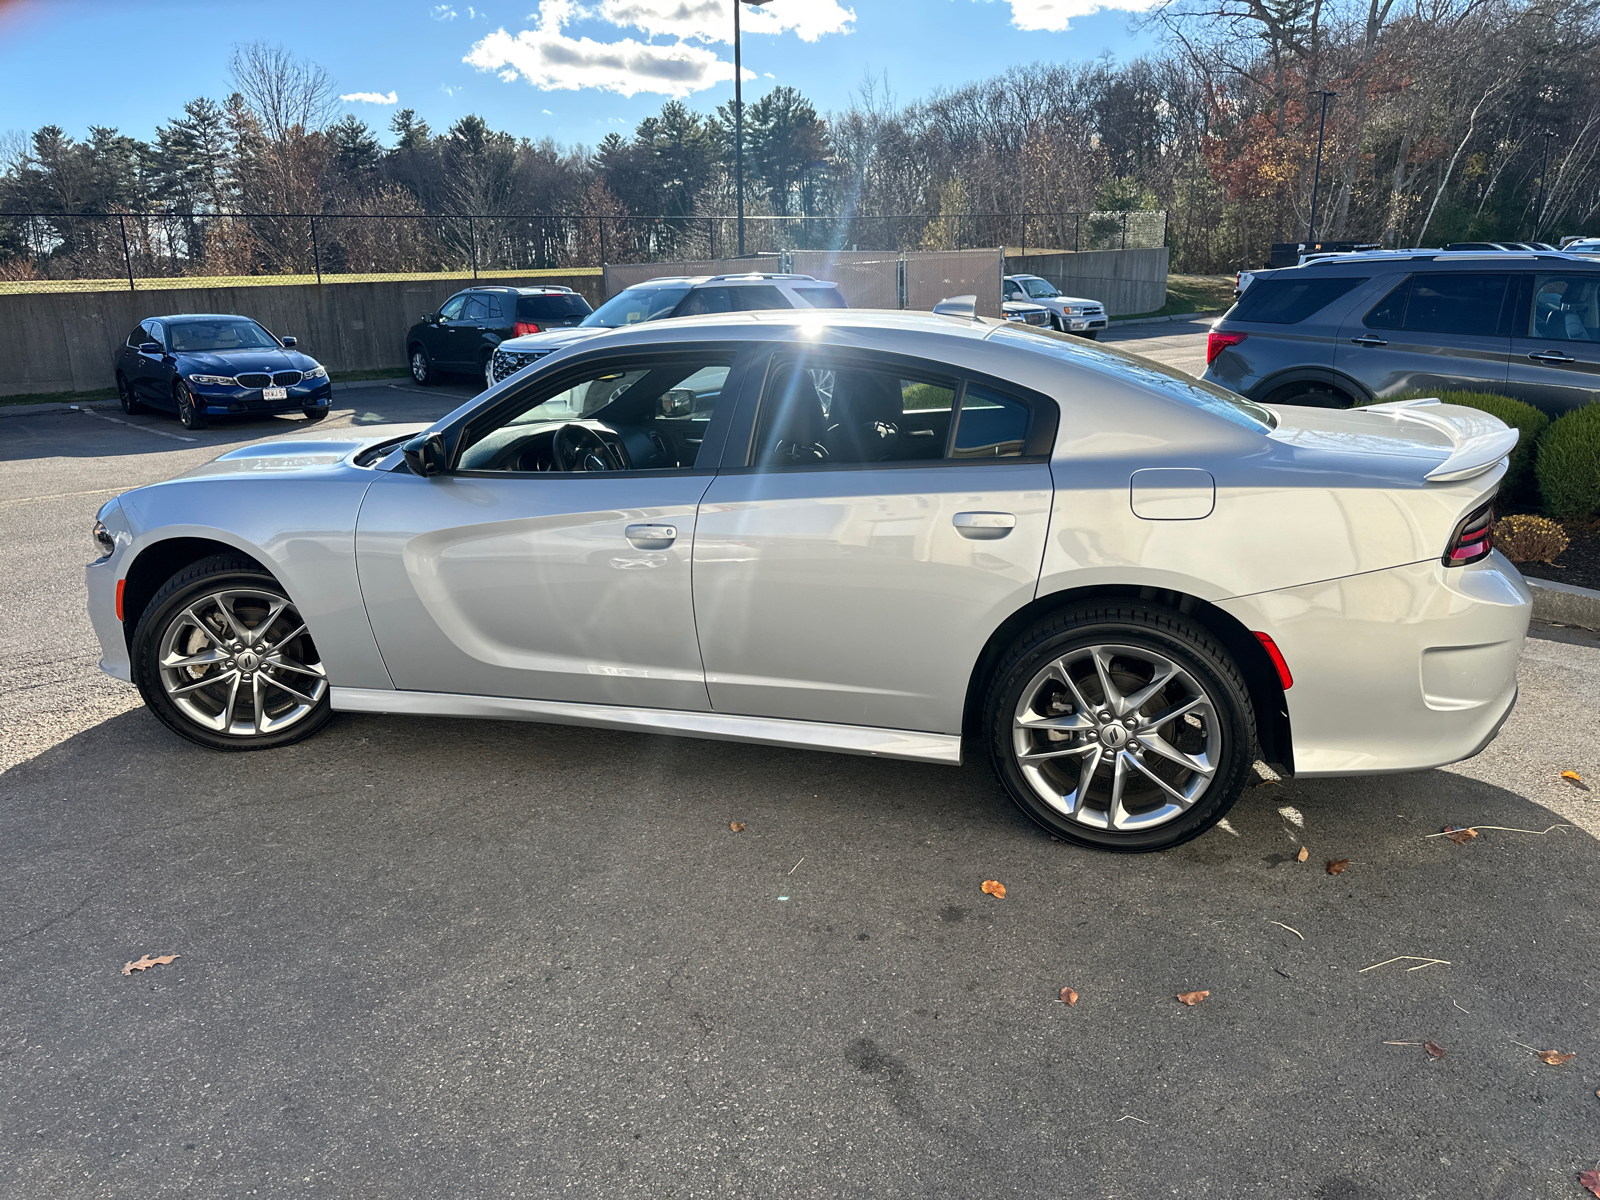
pixel 61 495
pixel 119 421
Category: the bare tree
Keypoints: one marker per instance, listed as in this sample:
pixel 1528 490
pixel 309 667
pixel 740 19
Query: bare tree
pixel 287 94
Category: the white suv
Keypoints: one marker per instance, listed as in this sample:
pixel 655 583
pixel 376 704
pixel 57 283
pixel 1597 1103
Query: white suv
pixel 1069 314
pixel 670 296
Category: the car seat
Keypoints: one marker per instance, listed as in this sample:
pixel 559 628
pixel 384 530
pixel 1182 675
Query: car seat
pixel 796 431
pixel 866 414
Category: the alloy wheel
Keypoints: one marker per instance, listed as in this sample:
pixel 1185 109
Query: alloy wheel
pixel 419 366
pixel 1117 738
pixel 125 396
pixel 239 661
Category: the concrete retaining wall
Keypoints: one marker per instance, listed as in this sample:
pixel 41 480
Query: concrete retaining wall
pixel 1125 281
pixel 63 341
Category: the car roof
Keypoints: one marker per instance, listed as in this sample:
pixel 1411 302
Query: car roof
pixel 537 290
pixel 661 281
pixel 1462 259
pixel 1025 276
pixel 201 317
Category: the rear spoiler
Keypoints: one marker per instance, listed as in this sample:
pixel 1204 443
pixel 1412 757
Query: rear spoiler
pixel 1478 443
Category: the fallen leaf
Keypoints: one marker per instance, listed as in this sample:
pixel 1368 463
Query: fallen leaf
pixel 1068 996
pixel 1192 998
pixel 995 888
pixel 1303 855
pixel 1575 780
pixel 1434 1049
pixel 1336 866
pixel 1590 1180
pixel 1461 836
pixel 145 963
pixel 1555 1058
pixel 736 826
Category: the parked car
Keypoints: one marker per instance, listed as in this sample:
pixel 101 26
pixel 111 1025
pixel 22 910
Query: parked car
pixel 1068 314
pixel 1348 330
pixel 462 336
pixel 1026 313
pixel 205 365
pixel 671 296
pixel 1583 246
pixel 871 533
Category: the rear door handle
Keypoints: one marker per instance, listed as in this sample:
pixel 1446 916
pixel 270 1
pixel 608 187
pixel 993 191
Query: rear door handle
pixel 651 537
pixel 1369 340
pixel 1551 356
pixel 984 526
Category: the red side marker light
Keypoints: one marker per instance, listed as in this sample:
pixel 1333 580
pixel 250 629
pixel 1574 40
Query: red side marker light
pixel 1276 655
pixel 1216 343
pixel 121 583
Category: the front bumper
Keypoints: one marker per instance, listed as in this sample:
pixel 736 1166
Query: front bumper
pixel 1083 324
pixel 226 401
pixel 1397 670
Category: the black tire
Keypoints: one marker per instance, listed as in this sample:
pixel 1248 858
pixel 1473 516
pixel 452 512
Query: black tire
pixel 1091 334
pixel 422 373
pixel 126 395
pixel 189 416
pixel 171 612
pixel 313 415
pixel 1136 627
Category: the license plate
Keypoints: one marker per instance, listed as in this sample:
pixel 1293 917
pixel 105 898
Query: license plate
pixel 274 393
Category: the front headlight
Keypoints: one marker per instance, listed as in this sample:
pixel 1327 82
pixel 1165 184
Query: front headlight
pixel 104 543
pixel 215 380
pixel 316 373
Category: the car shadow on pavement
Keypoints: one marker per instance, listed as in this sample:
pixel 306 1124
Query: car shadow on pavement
pixel 472 958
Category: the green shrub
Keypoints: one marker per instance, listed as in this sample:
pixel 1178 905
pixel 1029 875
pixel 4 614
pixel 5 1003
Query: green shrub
pixel 1528 421
pixel 1569 464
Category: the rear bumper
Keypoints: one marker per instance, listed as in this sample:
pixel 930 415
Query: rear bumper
pixel 1397 670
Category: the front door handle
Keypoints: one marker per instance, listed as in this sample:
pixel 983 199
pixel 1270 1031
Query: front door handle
pixel 651 537
pixel 1369 340
pixel 1551 356
pixel 984 526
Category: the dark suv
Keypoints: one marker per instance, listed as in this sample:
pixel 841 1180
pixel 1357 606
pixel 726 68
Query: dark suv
pixel 1343 331
pixel 462 335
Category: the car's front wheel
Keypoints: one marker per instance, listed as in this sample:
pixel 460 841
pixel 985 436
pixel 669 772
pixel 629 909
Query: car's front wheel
pixel 1121 727
pixel 190 414
pixel 222 657
pixel 421 367
pixel 488 370
pixel 313 415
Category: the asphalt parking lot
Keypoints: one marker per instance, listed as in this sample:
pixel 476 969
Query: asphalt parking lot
pixel 454 958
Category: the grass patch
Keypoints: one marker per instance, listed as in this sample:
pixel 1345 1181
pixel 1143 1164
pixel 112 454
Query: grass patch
pixel 59 397
pixel 179 282
pixel 1191 294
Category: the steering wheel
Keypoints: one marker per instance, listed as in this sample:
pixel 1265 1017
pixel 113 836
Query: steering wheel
pixel 579 448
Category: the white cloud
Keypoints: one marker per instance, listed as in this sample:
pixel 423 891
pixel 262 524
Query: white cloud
pixel 550 60
pixel 1054 16
pixel 547 112
pixel 371 98
pixel 442 12
pixel 712 20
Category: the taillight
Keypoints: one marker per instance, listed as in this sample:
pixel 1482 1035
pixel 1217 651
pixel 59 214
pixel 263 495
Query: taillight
pixel 1218 342
pixel 1473 537
pixel 524 327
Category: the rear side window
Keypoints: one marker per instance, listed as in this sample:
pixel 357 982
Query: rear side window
pixel 1464 303
pixel 822 297
pixel 551 308
pixel 990 425
pixel 1289 301
pixel 751 299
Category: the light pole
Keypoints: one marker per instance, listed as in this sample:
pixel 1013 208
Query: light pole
pixel 1544 165
pixel 738 120
pixel 1316 178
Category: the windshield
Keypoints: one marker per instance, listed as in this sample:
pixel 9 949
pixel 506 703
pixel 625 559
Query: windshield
pixel 634 305
pixel 199 336
pixel 1179 386
pixel 1039 288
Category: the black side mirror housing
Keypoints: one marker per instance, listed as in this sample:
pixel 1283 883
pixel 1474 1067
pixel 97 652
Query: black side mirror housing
pixel 429 318
pixel 150 348
pixel 288 342
pixel 425 454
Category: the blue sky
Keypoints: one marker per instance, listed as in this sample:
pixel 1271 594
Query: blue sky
pixel 568 69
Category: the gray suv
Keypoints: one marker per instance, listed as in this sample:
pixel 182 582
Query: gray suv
pixel 1343 331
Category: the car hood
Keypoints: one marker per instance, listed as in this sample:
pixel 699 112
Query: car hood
pixel 231 362
pixel 306 454
pixel 1439 442
pixel 553 339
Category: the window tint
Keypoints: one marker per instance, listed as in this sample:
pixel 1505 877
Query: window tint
pixel 707 300
pixel 763 296
pixel 990 425
pixel 1445 302
pixel 822 297
pixel 650 415
pixel 1390 312
pixel 138 337
pixel 822 415
pixel 551 308
pixel 1288 301
pixel 450 310
pixel 1566 308
pixel 476 308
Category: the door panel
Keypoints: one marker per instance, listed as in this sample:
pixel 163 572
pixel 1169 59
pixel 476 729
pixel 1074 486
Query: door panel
pixel 853 595
pixel 532 587
pixel 1438 331
pixel 1555 355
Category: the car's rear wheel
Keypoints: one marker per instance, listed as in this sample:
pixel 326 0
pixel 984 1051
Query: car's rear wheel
pixel 421 367
pixel 1311 395
pixel 1121 727
pixel 222 657
pixel 189 413
pixel 126 395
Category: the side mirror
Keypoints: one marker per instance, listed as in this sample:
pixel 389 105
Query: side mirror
pixel 425 454
pixel 677 402
pixel 427 318
pixel 288 342
pixel 150 348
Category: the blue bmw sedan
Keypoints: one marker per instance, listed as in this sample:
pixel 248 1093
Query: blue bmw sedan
pixel 206 365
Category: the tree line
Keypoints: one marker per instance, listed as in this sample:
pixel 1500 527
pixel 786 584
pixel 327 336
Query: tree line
pixel 1448 120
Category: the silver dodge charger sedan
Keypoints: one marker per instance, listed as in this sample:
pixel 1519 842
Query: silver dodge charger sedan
pixel 880 533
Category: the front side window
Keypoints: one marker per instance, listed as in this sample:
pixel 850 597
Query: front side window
pixel 634 414
pixel 633 305
pixel 450 310
pixel 153 333
pixel 1013 290
pixel 191 337
pixel 1566 308
pixel 1290 301
pixel 138 337
pixel 1465 303
pixel 476 309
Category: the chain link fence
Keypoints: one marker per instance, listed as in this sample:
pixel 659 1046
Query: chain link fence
pixel 59 252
